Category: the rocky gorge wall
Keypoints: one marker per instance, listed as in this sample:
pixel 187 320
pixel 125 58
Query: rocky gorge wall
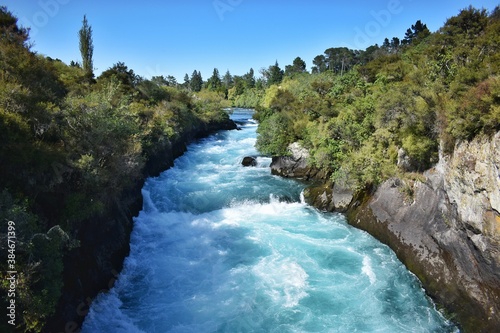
pixel 444 225
pixel 105 239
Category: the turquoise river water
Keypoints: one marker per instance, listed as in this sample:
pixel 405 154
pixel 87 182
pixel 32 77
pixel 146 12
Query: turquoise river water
pixel 219 247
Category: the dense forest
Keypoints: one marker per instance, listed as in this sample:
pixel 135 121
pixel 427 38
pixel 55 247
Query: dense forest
pixel 71 142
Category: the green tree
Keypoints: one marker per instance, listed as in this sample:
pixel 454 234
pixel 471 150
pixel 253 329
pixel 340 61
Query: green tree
pixel 214 83
pixel 274 74
pixel 227 80
pixel 298 66
pixel 340 59
pixel 249 79
pixel 186 83
pixel 196 81
pixel 417 32
pixel 87 48
pixel 319 63
pixel 121 73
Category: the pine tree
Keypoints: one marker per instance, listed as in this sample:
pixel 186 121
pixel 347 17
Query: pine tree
pixel 186 83
pixel 275 74
pixel 228 80
pixel 196 82
pixel 215 83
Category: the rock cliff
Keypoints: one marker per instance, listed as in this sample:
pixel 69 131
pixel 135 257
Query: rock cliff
pixel 444 226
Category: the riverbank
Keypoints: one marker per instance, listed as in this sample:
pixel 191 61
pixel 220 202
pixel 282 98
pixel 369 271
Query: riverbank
pixel 442 224
pixel 105 239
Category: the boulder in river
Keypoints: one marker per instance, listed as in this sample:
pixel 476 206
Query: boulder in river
pixel 249 161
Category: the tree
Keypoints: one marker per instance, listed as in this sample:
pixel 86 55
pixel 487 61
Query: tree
pixel 418 31
pixel 249 79
pixel 86 48
pixel 172 81
pixel 227 80
pixel 395 43
pixel 11 32
pixel 274 74
pixel 196 82
pixel 120 73
pixel 319 63
pixel 159 80
pixel 298 66
pixel 187 82
pixel 386 45
pixel 339 59
pixel 214 82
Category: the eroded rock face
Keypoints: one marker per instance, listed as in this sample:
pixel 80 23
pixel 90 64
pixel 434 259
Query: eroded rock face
pixel 294 165
pixel 472 182
pixel 447 232
pixel 329 197
pixel 322 194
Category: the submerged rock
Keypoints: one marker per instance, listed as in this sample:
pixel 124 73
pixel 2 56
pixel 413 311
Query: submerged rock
pixel 249 161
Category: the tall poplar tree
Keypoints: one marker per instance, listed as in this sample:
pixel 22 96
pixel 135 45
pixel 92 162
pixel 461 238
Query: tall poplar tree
pixel 86 48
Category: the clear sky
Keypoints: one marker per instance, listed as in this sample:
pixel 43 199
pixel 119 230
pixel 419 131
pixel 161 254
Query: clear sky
pixel 175 37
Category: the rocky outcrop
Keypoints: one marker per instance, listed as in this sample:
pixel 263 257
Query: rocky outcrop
pixel 294 165
pixel 329 196
pixel 104 239
pixel 446 229
pixel 322 192
pixel 472 182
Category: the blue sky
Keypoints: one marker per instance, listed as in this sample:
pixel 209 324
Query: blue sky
pixel 174 37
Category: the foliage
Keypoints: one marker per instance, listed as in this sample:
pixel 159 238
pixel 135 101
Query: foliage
pixel 274 137
pixel 357 109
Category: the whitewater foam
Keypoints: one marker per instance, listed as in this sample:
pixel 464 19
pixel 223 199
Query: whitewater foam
pixel 367 269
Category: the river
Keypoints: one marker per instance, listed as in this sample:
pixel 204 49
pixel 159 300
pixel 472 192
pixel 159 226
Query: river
pixel 219 247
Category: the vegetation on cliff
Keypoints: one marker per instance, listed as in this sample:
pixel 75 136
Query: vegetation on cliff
pixel 70 145
pixel 359 112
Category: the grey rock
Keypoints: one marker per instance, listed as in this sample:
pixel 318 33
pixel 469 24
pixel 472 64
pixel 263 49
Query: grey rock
pixel 295 165
pixel 342 197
